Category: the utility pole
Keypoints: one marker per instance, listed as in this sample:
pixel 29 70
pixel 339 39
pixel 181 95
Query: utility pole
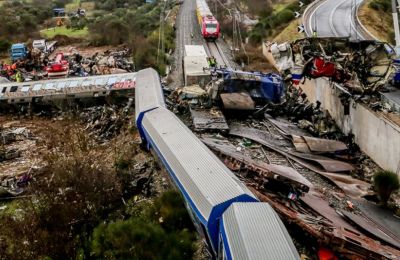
pixel 161 36
pixel 395 14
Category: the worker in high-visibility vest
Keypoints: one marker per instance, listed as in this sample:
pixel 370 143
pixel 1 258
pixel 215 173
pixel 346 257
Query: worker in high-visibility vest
pixel 212 62
pixel 18 77
pixel 314 33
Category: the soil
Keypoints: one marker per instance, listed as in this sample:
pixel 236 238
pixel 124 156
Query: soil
pixel 379 23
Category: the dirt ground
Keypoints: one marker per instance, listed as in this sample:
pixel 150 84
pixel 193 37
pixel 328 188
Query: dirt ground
pixel 31 144
pixel 377 22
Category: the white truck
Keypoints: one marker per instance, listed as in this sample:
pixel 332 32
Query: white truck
pixel 44 46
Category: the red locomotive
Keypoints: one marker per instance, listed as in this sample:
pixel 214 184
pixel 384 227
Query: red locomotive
pixel 208 24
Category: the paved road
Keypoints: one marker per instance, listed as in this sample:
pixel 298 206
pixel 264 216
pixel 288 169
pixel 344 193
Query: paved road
pixel 334 18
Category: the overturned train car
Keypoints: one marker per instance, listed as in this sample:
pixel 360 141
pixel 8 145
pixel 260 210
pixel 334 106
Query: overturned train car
pixel 224 211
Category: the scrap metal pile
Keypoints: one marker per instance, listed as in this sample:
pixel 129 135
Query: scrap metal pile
pixel 110 62
pixel 300 163
pixel 310 182
pixel 15 143
pixel 68 64
pixel 362 66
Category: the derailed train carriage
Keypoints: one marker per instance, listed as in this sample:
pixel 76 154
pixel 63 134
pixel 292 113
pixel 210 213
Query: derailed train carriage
pixel 224 211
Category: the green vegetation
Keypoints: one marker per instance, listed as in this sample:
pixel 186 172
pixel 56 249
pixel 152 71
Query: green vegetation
pixel 376 16
pixel 133 24
pixel 63 30
pixel 156 233
pixel 381 5
pixel 76 209
pixel 4 45
pixel 272 21
pixel 385 183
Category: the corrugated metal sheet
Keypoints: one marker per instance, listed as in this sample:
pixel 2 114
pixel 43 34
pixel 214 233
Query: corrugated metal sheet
pixel 204 177
pixel 148 93
pixel 254 231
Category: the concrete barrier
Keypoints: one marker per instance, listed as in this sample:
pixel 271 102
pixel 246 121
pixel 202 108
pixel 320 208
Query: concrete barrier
pixel 376 133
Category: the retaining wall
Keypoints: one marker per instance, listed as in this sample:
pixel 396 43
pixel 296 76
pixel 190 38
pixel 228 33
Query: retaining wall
pixel 376 134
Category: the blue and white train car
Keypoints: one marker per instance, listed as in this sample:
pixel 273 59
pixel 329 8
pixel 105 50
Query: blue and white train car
pixel 207 185
pixel 254 231
pixel 148 96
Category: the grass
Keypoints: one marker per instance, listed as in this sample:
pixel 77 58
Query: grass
pixel 288 34
pixel 379 23
pixel 50 33
pixel 281 5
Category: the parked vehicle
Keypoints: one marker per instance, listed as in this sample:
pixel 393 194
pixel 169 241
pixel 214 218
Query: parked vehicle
pixel 59 11
pixel 58 68
pixel 18 51
pixel 44 46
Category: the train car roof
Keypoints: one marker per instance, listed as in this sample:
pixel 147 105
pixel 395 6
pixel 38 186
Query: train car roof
pixel 108 79
pixel 206 182
pixel 63 85
pixel 202 8
pixel 254 231
pixel 148 93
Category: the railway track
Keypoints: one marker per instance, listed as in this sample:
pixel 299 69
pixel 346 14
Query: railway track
pixel 215 50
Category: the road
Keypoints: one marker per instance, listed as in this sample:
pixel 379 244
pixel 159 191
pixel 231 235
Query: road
pixel 335 18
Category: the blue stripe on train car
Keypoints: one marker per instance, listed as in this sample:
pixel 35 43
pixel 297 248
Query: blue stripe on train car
pixel 212 224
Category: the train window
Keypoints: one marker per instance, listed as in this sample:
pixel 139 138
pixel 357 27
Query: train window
pixel 37 87
pixel 62 84
pixel 25 89
pixel 13 88
pixel 211 26
pixel 87 83
pixel 73 84
pixel 100 81
pixel 49 86
pixel 4 90
pixel 111 80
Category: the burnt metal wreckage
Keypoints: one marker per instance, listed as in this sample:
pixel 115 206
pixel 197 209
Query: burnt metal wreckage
pixel 346 230
pixel 363 66
pixel 300 203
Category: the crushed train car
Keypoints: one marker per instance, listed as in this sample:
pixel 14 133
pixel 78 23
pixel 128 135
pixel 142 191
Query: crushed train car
pixel 367 64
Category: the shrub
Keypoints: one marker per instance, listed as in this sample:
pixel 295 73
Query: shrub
pixel 4 46
pixel 284 16
pixel 381 5
pixel 136 238
pixel 386 182
pixel 255 38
